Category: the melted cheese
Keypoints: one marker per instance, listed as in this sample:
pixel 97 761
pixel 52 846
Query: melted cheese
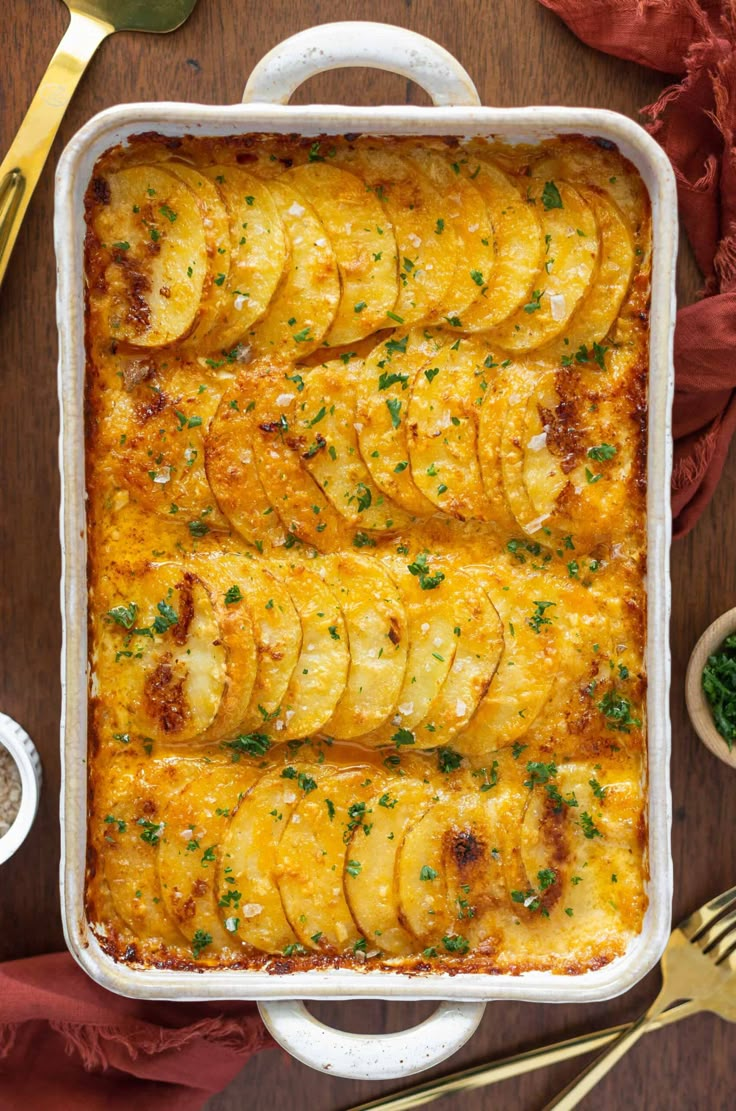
pixel 367 644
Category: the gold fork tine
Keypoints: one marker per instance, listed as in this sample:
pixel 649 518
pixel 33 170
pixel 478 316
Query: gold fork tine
pixel 722 945
pixel 701 919
pixel 715 933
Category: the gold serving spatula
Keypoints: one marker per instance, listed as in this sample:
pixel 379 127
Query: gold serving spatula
pixel 91 22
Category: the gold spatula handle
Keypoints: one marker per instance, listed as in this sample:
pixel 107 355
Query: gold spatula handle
pixel 22 165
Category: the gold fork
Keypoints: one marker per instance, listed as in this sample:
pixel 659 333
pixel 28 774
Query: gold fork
pixel 696 963
pixel 91 22
pixel 722 1002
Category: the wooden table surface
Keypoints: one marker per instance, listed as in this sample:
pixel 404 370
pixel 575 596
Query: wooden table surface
pixel 517 53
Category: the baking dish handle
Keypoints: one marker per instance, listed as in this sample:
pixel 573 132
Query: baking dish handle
pixel 370 1056
pixel 372 45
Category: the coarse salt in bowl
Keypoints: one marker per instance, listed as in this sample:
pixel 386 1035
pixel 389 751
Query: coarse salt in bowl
pixel 20 785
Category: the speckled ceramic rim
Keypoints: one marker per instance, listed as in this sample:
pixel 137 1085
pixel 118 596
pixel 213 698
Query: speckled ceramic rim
pixel 393 48
pixel 28 762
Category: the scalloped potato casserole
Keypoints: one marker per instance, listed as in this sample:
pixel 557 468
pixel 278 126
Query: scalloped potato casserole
pixel 366 466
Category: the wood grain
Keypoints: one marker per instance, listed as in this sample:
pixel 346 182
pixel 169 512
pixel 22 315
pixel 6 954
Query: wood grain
pixel 518 53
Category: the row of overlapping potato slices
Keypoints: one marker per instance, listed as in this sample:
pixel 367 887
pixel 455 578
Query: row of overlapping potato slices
pixel 306 857
pixel 390 651
pixel 342 453
pixel 358 238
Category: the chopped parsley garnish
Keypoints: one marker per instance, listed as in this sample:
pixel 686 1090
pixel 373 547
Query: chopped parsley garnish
pixel 448 760
pixel 303 780
pixel 393 405
pixel 590 829
pixel 232 595
pixel 601 453
pixel 396 346
pixel 616 709
pixel 598 791
pixel 535 303
pixel 403 737
pixel 254 744
pixel 353 867
pixel 420 569
pixel 362 496
pixel 124 615
pixel 551 196
pixel 388 379
pixel 719 686
pixel 427 873
pixel 455 944
pixel 200 941
pixel 151 831
pixel 538 617
pixel 489 776
pixel 539 773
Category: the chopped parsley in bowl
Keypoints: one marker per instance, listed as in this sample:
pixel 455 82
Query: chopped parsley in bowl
pixel 719 686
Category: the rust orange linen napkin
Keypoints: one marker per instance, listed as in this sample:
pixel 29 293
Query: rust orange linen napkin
pixel 66 1043
pixel 694 121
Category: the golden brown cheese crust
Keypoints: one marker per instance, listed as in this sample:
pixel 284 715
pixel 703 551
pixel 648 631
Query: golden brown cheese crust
pixel 508 784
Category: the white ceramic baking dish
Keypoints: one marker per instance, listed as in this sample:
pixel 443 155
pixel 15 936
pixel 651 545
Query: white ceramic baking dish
pixel 458 112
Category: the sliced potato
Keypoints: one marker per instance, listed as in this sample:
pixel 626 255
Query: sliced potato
pixel 567 271
pixel 304 305
pixel 318 681
pixel 424 895
pixel 277 633
pixel 526 671
pixel 230 461
pixel 371 892
pixel 237 634
pixel 152 235
pixel 383 398
pixel 280 447
pixel 216 222
pixel 364 245
pixel 376 624
pixel 425 260
pixel 580 486
pixel 598 311
pixel 128 807
pixel 247 862
pixel 163 628
pixel 518 240
pixel 432 647
pixel 479 647
pixel 159 457
pixel 442 428
pixel 195 821
pixel 312 853
pixel 593 167
pixel 258 253
pixel 325 420
pixel 466 212
pixel 514 449
pixel 584 853
pixel 506 388
pixel 452 869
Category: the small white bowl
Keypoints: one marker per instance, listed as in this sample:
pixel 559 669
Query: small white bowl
pixel 28 762
pixel 697 704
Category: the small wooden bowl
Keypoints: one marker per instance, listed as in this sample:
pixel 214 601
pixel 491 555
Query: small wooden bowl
pixel 697 704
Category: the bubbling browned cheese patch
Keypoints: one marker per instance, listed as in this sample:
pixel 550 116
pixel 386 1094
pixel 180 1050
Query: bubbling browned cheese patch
pixel 366 470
